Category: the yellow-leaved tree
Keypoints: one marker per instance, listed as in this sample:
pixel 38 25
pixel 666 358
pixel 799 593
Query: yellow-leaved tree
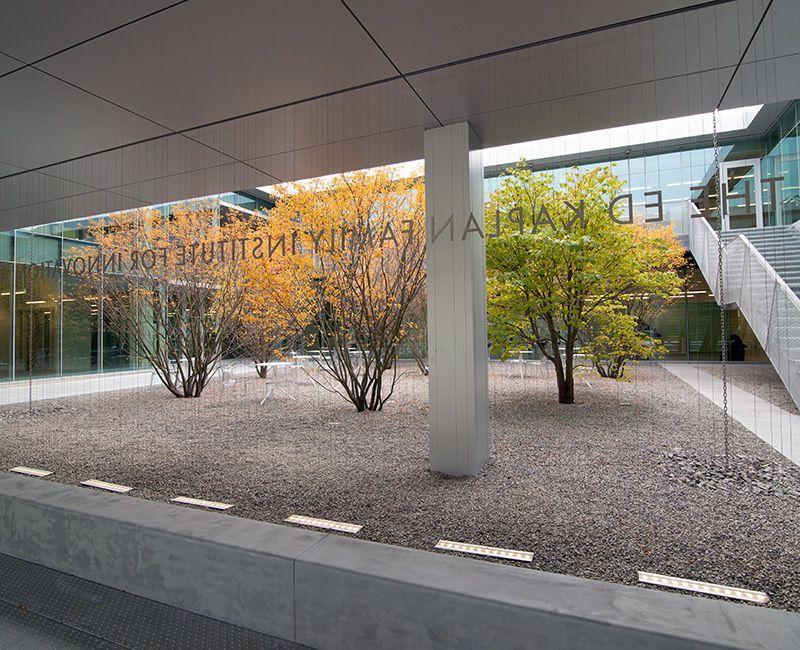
pixel 170 285
pixel 365 232
pixel 278 306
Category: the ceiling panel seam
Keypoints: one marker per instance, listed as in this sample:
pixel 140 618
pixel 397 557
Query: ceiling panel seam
pixel 139 115
pixel 207 168
pixel 564 37
pixel 92 189
pixel 207 125
pixel 744 52
pixel 91 38
pixel 393 64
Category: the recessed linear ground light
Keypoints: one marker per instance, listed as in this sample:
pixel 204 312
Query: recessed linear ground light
pixel 35 302
pixel 703 587
pixel 103 485
pixel 215 505
pixel 491 551
pixel 338 526
pixel 30 471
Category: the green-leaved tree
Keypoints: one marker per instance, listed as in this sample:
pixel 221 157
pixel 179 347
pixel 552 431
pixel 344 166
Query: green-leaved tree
pixel 617 337
pixel 561 262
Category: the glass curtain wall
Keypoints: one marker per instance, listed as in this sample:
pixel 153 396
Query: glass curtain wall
pixel 37 301
pixel 782 161
pixel 680 176
pixel 80 320
pixel 6 304
pixel 49 324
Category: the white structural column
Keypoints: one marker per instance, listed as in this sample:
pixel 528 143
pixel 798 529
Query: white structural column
pixel 457 343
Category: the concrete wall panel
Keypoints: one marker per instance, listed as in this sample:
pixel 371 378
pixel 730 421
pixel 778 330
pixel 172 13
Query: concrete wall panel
pixel 235 570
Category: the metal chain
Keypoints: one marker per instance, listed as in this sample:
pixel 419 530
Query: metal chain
pixel 721 294
pixel 30 327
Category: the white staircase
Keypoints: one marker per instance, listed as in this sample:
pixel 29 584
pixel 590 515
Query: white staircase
pixel 761 270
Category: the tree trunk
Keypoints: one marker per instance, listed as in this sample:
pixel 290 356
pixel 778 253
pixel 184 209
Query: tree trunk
pixel 566 386
pixel 613 368
pixel 620 367
pixel 566 389
pixel 563 367
pixel 375 403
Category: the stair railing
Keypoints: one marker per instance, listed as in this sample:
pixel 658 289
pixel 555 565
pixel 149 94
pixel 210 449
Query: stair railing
pixel 703 244
pixel 765 300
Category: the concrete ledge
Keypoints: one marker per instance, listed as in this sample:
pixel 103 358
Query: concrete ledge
pixel 235 570
pixel 328 591
pixel 358 594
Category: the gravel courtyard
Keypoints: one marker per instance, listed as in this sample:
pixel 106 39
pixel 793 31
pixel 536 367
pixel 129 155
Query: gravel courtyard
pixel 629 478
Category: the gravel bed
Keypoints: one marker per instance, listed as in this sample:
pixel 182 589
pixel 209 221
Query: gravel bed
pixel 757 378
pixel 734 472
pixel 598 489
